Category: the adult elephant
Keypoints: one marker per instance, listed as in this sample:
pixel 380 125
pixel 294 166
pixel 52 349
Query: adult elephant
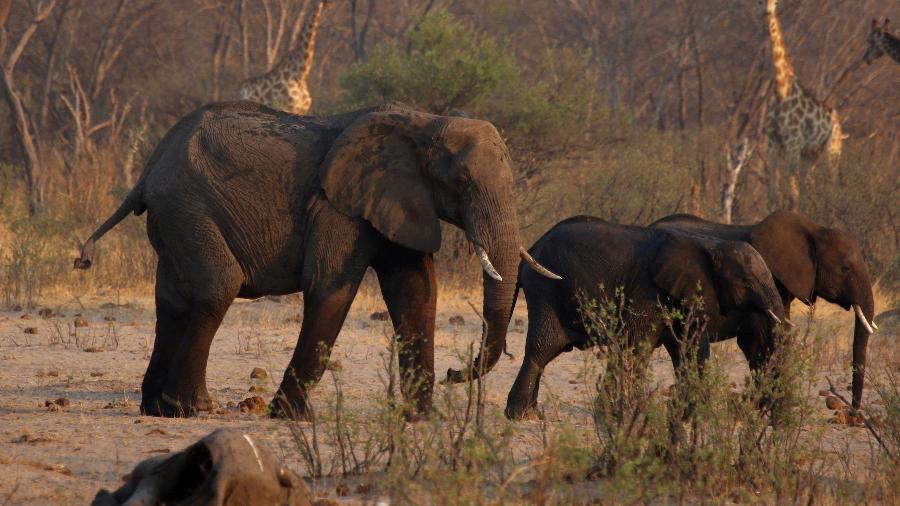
pixel 651 267
pixel 245 201
pixel 808 261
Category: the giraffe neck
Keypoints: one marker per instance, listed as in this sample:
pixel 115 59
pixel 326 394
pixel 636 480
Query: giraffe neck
pixel 299 61
pixel 784 73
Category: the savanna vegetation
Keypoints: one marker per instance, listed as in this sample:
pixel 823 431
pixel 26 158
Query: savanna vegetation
pixel 628 110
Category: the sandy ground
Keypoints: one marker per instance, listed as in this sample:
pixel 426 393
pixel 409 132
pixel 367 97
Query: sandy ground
pixel 64 456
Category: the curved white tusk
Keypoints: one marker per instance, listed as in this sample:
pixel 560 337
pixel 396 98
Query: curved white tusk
pixel 543 271
pixel 862 318
pixel 255 453
pixel 773 316
pixel 788 322
pixel 486 263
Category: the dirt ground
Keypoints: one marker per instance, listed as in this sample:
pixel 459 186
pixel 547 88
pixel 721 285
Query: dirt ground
pixel 63 456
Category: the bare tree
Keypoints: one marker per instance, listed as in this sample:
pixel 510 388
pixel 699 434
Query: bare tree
pixel 359 33
pixel 734 164
pixel 13 96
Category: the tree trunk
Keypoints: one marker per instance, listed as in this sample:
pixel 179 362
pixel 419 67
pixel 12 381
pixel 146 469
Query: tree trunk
pixel 24 134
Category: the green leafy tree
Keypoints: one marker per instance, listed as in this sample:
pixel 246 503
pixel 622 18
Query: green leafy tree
pixel 447 65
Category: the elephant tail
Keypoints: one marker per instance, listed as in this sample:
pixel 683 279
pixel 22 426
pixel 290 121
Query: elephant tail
pixel 133 203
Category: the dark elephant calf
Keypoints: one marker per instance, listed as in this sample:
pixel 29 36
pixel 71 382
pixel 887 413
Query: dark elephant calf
pixel 652 267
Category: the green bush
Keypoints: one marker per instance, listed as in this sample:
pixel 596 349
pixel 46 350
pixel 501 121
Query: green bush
pixel 447 65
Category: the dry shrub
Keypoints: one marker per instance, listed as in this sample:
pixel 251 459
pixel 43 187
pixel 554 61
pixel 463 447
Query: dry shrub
pixel 705 442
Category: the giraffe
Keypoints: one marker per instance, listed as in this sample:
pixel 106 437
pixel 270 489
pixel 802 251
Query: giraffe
pixel 882 41
pixel 284 87
pixel 798 125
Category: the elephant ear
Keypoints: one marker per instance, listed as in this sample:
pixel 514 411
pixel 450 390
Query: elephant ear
pixel 679 266
pixel 785 241
pixel 375 171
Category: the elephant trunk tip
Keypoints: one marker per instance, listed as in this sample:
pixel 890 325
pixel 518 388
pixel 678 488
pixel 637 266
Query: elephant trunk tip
pixel 84 260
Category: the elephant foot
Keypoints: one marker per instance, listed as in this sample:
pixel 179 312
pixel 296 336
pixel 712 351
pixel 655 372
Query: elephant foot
pixel 167 406
pixel 516 413
pixel 285 408
pixel 417 414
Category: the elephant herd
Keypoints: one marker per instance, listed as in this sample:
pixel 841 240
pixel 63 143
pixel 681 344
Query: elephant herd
pixel 246 201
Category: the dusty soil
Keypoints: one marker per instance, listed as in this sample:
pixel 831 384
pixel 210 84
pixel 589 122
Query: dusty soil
pixel 93 353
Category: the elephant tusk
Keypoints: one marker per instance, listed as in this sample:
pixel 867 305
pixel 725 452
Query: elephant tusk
pixel 486 263
pixel 543 271
pixel 788 322
pixel 773 316
pixel 862 318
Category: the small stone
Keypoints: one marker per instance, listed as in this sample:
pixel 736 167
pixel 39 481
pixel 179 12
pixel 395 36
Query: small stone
pixel 53 373
pixel 138 421
pixel 573 382
pixel 258 373
pixel 80 321
pixel 109 318
pixel 30 330
pixel 46 312
pixel 824 393
pixel 254 404
pixel 25 316
pixel 379 316
pixel 832 402
pixel 61 402
pixel 96 374
pixel 230 404
pixel 457 320
pixel 94 349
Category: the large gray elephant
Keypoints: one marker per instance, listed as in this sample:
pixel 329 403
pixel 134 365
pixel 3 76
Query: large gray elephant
pixel 808 261
pixel 651 267
pixel 245 201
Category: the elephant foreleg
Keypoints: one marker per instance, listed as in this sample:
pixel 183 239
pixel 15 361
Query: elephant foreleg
pixel 324 312
pixel 339 252
pixel 409 288
pixel 545 341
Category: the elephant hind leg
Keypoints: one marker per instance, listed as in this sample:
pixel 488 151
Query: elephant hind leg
pixel 210 278
pixel 171 320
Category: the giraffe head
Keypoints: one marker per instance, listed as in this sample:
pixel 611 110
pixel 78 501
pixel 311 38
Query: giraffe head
pixel 769 5
pixel 877 34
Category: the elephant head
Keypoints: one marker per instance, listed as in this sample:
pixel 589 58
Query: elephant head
pixel 224 468
pixel 812 261
pixel 403 171
pixel 731 275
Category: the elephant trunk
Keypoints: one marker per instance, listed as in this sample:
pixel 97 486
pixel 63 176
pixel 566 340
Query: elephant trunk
pixel 865 311
pixel 497 244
